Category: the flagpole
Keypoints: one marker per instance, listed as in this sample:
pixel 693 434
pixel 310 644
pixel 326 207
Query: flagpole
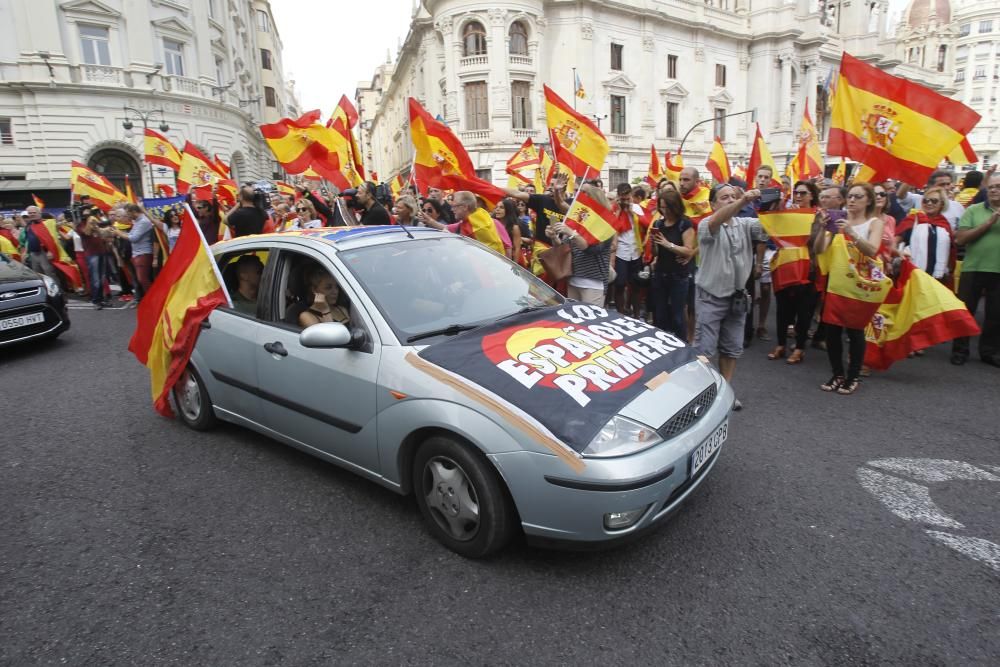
pixel 574 89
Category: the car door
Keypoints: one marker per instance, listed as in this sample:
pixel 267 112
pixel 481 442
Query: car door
pixel 322 398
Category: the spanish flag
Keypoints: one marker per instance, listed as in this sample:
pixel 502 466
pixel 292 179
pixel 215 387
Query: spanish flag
pixel 83 182
pixel 48 234
pixel 284 188
pixel 718 162
pixel 197 170
pixel 840 176
pixel 523 164
pixel 221 166
pixel 164 190
pixel 343 120
pixel 577 141
pixel 655 172
pixel 808 161
pixel 160 151
pixel 8 244
pixel 129 193
pixel 760 156
pixel 438 152
pixel 184 293
pixel 673 168
pixel 546 168
pixel 38 201
pixel 303 143
pixel 898 128
pixel 856 285
pixel 589 219
pixel 919 312
pixel 481 227
pixel 697 204
pixel 789 229
pixel 396 185
pixel 963 153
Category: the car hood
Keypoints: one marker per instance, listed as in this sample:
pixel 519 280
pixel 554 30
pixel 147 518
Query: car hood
pixel 15 272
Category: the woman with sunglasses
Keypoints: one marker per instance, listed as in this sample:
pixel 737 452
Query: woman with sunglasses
pixel 926 237
pixel 308 218
pixel 863 230
pixel 795 303
pixel 430 210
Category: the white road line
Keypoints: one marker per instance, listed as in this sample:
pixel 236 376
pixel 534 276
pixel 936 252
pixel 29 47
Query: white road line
pixel 934 470
pixel 906 500
pixel 973 547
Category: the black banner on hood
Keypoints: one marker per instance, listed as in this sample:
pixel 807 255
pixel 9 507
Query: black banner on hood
pixel 571 367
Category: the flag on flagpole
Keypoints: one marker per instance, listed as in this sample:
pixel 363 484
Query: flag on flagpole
pixel 896 127
pixel 655 172
pixel 578 86
pixel 524 163
pixel 590 219
pixel 38 201
pixel 760 156
pixel 789 229
pixel 284 188
pixel 343 120
pixel 221 166
pixel 576 141
pixel 718 162
pixel 129 193
pixel 83 181
pixel 196 170
pixel 673 168
pixel 158 150
pixel 301 143
pixel 187 289
pixel 840 176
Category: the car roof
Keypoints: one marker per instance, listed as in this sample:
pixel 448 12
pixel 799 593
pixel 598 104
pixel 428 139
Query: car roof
pixel 342 238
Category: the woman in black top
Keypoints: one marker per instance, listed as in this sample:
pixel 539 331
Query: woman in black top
pixel 673 239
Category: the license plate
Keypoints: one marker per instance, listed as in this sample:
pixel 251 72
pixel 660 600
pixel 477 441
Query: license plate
pixel 21 321
pixel 705 450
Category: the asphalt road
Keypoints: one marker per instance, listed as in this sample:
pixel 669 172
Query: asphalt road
pixel 126 539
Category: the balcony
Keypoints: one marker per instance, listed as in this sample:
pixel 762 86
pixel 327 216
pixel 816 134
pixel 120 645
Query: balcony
pixel 618 139
pixel 475 135
pixel 522 133
pixel 523 61
pixel 470 62
pixel 102 74
pixel 180 84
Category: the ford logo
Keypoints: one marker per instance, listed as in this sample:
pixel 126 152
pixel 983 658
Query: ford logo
pixel 697 410
pixel 8 295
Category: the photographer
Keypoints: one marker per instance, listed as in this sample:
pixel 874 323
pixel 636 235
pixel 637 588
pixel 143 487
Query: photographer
pixel 372 212
pixel 247 218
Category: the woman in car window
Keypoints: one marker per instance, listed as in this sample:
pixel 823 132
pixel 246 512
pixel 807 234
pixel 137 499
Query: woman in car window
pixel 324 291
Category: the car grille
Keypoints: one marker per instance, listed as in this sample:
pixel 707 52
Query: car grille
pixel 689 414
pixel 7 295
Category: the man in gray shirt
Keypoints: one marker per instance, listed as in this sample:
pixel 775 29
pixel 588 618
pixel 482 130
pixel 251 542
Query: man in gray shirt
pixel 141 238
pixel 726 245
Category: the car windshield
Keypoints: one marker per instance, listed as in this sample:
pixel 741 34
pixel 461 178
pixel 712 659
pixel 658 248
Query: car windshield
pixel 428 288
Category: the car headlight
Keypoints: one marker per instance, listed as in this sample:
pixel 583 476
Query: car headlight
pixel 621 436
pixel 51 286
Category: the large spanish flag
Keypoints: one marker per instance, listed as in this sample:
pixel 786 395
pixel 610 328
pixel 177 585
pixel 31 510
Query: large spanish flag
pixel 197 170
pixel 576 140
pixel 343 121
pixel 655 172
pixel 159 150
pixel 481 227
pixel 856 285
pixel 789 229
pixel 919 312
pixel 588 218
pixel 301 143
pixel 84 182
pixel 184 293
pixel 760 156
pixel 438 152
pixel 48 234
pixel 718 162
pixel 898 128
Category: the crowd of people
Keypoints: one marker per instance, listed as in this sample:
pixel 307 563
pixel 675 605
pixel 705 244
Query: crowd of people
pixel 694 265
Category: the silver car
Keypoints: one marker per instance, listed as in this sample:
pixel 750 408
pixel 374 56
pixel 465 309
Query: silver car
pixel 445 381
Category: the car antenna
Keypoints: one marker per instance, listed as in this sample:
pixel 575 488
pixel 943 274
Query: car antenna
pixel 398 223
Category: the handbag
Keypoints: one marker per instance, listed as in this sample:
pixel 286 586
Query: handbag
pixel 557 262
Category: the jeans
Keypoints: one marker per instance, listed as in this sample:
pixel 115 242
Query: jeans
pixel 973 286
pixel 96 268
pixel 856 344
pixel 794 306
pixel 670 294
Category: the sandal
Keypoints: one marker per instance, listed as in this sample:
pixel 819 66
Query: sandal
pixel 833 384
pixel 777 353
pixel 849 387
pixel 796 357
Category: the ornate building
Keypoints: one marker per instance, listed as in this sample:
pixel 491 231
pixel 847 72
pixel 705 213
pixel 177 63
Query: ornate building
pixel 68 69
pixel 652 71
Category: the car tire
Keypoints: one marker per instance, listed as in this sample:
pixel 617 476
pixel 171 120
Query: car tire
pixel 194 407
pixel 462 498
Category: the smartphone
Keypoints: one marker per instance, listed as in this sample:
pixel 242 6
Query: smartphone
pixel 836 215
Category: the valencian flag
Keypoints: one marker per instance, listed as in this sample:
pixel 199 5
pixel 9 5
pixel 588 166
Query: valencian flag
pixel 523 164
pixel 575 139
pixel 343 120
pixel 184 293
pixel 760 156
pixel 48 234
pixel 196 170
pixel 856 285
pixel 789 229
pixel 919 312
pixel 83 182
pixel 547 364
pixel 298 144
pixel 578 86
pixel 160 151
pixel 718 162
pixel 674 167
pixel 588 218
pixel 897 128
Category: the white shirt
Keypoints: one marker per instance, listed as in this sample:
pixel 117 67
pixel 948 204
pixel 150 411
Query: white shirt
pixel 312 224
pixel 77 242
pixel 952 212
pixel 626 250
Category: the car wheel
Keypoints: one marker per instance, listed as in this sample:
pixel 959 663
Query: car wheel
pixel 191 399
pixel 462 498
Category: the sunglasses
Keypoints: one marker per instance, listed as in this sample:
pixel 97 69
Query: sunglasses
pixel 429 209
pixel 855 195
pixel 879 194
pixel 801 193
pixel 931 200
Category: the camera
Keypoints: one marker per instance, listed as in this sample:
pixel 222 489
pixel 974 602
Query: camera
pixel 769 195
pixel 350 197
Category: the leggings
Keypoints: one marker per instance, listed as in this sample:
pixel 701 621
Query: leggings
pixel 855 350
pixel 795 306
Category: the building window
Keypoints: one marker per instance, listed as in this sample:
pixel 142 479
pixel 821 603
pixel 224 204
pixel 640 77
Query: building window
pixel 263 22
pixel 477 114
pixel 616 177
pixel 961 53
pixel 518 39
pixel 213 10
pixel 959 75
pixel 720 76
pixel 986 26
pixel 265 59
pixel 617 57
pixel 980 72
pixel 474 39
pixel 965 29
pixel 942 56
pixel 6 132
pixel 671 67
pixel 485 174
pixel 520 95
pixel 220 72
pixel 95 45
pixel 618 114
pixel 719 126
pixel 673 112
pixel 173 56
pixel 270 97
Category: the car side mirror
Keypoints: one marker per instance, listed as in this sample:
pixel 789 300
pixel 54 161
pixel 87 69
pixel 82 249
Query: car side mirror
pixel 326 334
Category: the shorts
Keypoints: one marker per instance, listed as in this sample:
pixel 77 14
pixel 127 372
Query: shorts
pixel 765 274
pixel 627 272
pixel 719 323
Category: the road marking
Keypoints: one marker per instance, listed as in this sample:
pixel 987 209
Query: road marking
pixel 912 502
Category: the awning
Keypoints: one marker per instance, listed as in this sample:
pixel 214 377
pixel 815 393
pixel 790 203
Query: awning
pixel 35 184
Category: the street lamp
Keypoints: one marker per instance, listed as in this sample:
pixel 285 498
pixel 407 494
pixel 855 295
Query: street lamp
pixel 145 117
pixel 598 118
pixel 753 119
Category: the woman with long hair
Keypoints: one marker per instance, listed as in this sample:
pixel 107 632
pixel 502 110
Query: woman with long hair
pixel 506 213
pixel 322 299
pixel 863 232
pixel 794 304
pixel 171 227
pixel 672 235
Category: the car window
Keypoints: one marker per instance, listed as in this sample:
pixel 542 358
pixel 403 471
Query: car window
pixel 426 284
pixel 242 272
